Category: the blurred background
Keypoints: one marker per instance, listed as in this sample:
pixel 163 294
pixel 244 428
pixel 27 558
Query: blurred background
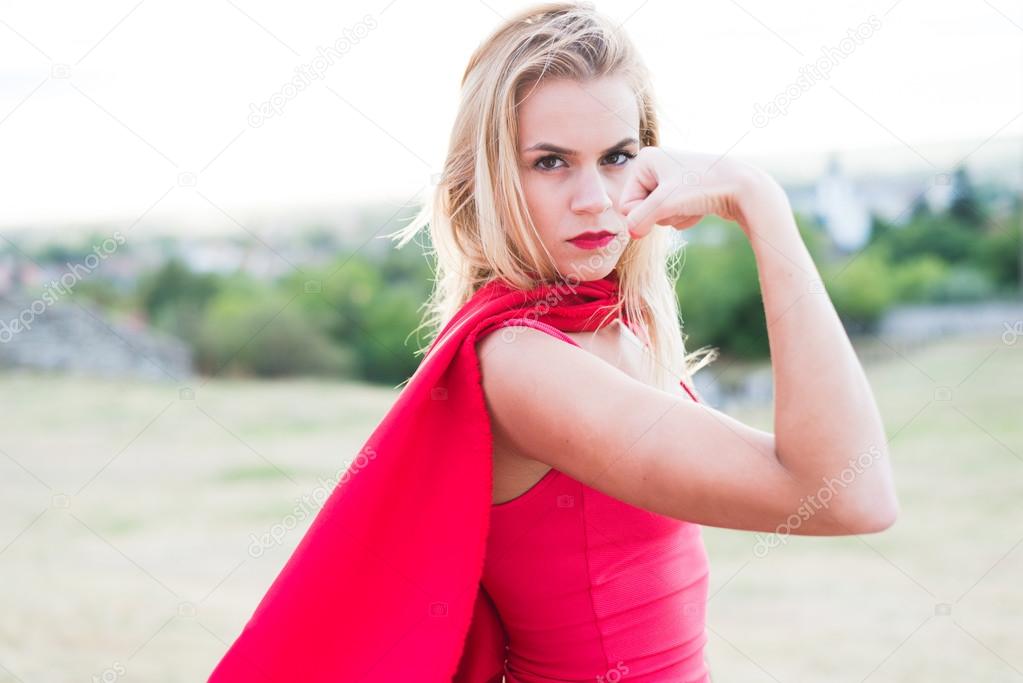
pixel 201 319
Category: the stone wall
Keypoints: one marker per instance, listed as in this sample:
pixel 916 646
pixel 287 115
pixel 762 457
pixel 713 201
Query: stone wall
pixel 934 321
pixel 77 337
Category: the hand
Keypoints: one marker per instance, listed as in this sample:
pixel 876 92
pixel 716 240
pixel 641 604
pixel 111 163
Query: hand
pixel 679 188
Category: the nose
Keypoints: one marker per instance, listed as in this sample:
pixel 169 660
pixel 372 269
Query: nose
pixel 591 195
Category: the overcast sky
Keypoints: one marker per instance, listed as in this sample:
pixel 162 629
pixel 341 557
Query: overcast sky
pixel 122 110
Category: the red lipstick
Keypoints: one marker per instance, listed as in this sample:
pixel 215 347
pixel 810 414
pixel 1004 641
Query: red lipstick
pixel 592 239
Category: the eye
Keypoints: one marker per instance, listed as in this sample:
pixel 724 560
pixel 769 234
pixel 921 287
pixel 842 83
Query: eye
pixel 627 155
pixel 539 164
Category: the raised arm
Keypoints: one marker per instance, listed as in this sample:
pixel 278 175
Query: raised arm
pixel 662 452
pixel 827 427
pixel 824 471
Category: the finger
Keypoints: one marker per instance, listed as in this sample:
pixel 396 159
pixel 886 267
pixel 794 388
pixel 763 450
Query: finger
pixel 643 215
pixel 628 206
pixel 639 183
pixel 686 209
pixel 682 222
pixel 632 194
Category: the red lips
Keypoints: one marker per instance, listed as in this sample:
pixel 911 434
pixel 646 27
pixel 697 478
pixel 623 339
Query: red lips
pixel 591 235
pixel 592 239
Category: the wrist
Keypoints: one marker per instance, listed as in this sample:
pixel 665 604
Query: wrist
pixel 764 204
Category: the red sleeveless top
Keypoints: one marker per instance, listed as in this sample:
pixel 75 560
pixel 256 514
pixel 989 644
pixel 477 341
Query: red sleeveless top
pixel 591 588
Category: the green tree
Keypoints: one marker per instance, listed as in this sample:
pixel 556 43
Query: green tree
pixel 175 299
pixel 861 289
pixel 252 330
pixel 966 206
pixel 719 296
pixel 369 307
pixel 1000 251
pixel 936 234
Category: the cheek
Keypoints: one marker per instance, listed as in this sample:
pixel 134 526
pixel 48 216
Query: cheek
pixel 545 204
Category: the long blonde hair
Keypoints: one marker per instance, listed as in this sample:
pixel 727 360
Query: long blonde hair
pixel 478 221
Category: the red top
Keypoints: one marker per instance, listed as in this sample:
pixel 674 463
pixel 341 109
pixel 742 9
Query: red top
pixel 591 588
pixel 386 583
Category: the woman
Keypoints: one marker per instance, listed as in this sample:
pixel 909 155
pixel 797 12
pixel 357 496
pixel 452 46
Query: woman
pixel 529 509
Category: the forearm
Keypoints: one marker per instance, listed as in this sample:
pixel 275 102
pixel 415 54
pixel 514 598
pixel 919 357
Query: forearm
pixel 827 425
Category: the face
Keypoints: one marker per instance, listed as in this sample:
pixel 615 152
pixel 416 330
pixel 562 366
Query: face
pixel 576 140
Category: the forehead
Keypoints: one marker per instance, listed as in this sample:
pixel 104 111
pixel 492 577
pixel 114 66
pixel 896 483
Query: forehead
pixel 580 115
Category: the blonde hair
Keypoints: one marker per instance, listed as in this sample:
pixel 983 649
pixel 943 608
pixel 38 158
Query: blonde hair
pixel 479 224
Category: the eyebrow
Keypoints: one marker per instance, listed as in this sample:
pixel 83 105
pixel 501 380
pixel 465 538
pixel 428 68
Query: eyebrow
pixel 548 147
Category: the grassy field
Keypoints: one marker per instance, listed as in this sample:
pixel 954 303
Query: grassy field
pixel 130 509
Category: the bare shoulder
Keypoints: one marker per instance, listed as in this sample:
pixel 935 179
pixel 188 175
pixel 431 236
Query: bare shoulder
pixel 564 406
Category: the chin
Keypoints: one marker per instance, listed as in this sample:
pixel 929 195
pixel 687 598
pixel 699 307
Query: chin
pixel 589 268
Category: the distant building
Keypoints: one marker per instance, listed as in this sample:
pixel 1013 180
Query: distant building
pixel 844 205
pixel 841 209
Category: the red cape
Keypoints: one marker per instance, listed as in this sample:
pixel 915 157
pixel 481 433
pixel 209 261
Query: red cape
pixel 385 584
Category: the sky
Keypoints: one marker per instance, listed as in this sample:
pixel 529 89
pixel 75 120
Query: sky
pixel 146 112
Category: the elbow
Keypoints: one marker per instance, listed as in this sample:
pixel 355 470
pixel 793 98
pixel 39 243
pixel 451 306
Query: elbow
pixel 874 517
pixel 872 506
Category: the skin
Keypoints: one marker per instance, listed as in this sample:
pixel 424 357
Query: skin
pixel 572 193
pixel 567 194
pixel 603 424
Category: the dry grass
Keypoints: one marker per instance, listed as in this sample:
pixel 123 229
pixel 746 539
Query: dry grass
pixel 130 510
